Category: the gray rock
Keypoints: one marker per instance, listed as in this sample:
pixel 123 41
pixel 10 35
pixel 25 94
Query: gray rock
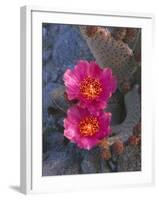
pixel 60 122
pixel 58 99
pixel 74 150
pixel 44 32
pixel 46 77
pixel 50 88
pixel 130 160
pixel 88 166
pixel 46 55
pixel 47 101
pixel 50 33
pixel 112 166
pixel 50 73
pixel 114 157
pixel 104 168
pixel 54 141
pixel 66 46
pixel 45 155
pixel 53 32
pixel 69 47
pixel 49 121
pixel 60 163
pixel 91 162
pixel 52 138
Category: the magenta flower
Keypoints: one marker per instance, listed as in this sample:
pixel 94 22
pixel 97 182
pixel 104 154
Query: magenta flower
pixel 90 84
pixel 85 128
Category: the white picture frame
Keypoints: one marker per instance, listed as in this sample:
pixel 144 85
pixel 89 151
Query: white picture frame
pixel 31 101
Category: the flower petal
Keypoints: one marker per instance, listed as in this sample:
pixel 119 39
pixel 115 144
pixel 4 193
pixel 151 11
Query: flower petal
pixel 83 70
pixel 72 129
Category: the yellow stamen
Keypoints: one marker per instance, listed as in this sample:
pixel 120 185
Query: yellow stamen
pixel 90 88
pixel 89 126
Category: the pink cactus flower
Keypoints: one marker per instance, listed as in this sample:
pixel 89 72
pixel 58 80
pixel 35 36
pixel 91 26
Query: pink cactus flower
pixel 85 128
pixel 90 84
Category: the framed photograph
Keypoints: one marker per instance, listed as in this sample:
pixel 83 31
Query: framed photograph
pixel 86 100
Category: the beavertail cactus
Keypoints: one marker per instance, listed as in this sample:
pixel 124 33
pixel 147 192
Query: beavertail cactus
pixel 118 147
pixel 106 154
pixel 131 35
pixel 127 35
pixel 119 33
pixel 133 108
pixel 109 51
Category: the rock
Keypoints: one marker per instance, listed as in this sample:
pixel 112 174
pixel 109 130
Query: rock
pixel 47 90
pixel 47 101
pixel 60 122
pixel 73 149
pixel 114 157
pixel 46 77
pixel 66 46
pixel 49 121
pixel 46 55
pixel 50 73
pixel 60 163
pixel 69 47
pixel 104 168
pixel 53 141
pixel 90 162
pixel 44 32
pixel 53 31
pixel 130 160
pixel 88 166
pixel 112 166
pixel 58 99
pixel 45 155
pixel 50 34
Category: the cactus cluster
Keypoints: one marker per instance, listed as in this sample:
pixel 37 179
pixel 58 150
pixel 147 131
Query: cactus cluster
pixel 115 47
pixel 112 49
